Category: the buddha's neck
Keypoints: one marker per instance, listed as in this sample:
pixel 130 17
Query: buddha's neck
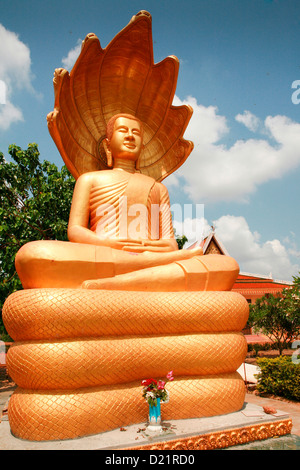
pixel 126 165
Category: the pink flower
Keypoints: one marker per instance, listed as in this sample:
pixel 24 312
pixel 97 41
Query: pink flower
pixel 161 385
pixel 170 375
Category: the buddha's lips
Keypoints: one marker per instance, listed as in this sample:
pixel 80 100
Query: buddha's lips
pixel 130 146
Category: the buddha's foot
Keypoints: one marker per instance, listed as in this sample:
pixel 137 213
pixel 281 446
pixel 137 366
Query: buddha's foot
pixel 97 284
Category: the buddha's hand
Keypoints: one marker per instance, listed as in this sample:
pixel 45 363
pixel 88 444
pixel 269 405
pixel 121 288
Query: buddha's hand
pixel 161 245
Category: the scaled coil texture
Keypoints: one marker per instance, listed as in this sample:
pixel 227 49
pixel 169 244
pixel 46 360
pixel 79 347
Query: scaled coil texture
pixel 79 357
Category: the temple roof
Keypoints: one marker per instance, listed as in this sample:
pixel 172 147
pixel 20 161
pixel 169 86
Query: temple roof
pixel 210 244
pixel 258 285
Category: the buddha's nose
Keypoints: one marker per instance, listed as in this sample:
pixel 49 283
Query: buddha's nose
pixel 130 135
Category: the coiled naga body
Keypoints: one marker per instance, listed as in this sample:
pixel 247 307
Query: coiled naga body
pixel 119 301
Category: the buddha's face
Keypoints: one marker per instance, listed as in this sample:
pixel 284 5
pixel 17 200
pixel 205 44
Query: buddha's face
pixel 127 139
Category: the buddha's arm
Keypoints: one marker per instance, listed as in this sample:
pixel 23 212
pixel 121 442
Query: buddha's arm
pixel 78 228
pixel 166 240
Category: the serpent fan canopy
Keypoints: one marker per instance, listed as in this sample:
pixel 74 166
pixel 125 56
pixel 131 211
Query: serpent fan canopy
pixel 122 78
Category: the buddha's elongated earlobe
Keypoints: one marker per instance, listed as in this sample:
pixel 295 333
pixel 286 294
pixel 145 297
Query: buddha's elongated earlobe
pixel 109 156
pixel 137 163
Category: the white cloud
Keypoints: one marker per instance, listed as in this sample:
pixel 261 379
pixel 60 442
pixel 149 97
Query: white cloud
pixel 195 229
pixel 253 255
pixel 291 242
pixel 249 120
pixel 3 92
pixel 15 62
pixel 15 72
pixel 9 114
pixel 267 258
pixel 216 173
pixel 72 56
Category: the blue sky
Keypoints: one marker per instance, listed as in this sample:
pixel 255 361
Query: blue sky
pixel 239 59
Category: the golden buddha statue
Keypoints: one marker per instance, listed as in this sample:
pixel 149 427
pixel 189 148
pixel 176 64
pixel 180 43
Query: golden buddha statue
pixel 98 257
pixel 119 301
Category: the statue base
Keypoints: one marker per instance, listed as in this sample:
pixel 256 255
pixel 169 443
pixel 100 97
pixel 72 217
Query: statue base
pixel 250 424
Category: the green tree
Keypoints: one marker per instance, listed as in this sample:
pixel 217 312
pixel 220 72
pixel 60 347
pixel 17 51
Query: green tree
pixel 181 240
pixel 278 316
pixel 35 200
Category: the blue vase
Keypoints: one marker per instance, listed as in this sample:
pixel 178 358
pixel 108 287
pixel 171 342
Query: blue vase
pixel 154 417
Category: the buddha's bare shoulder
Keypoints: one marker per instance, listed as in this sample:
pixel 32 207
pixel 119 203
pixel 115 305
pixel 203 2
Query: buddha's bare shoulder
pixel 96 178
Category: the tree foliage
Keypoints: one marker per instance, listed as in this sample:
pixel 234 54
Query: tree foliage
pixel 278 316
pixel 35 201
pixel 180 239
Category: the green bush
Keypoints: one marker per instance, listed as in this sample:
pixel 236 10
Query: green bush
pixel 279 376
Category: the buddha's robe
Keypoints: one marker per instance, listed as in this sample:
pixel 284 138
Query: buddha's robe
pixel 132 206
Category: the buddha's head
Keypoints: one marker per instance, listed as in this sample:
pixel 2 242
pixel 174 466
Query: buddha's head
pixel 124 138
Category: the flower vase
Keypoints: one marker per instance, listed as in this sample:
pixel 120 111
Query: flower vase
pixel 155 417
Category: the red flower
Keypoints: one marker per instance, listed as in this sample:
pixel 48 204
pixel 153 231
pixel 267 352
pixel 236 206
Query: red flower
pixel 148 382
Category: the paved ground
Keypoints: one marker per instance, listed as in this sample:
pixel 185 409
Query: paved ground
pixel 291 408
